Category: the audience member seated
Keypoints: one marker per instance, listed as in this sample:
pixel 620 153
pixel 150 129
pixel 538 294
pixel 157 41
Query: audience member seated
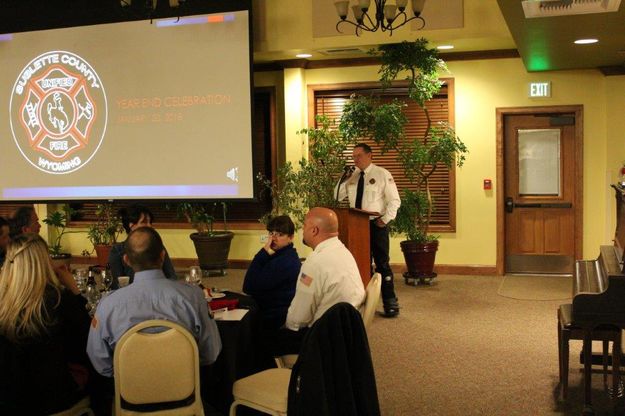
pixel 134 217
pixel 4 239
pixel 328 276
pixel 43 332
pixel 151 296
pixel 272 275
pixel 24 220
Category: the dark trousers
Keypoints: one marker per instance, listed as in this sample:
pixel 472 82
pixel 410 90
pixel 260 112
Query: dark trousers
pixel 379 251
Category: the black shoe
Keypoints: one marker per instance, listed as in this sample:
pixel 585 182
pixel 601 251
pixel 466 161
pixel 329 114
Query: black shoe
pixel 391 308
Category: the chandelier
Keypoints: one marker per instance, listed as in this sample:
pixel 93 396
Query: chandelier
pixel 386 15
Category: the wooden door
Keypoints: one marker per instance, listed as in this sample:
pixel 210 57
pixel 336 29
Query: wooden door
pixel 539 193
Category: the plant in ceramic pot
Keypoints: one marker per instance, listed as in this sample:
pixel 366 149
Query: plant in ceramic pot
pixel 418 156
pixel 58 221
pixel 212 246
pixel 104 232
pixel 311 182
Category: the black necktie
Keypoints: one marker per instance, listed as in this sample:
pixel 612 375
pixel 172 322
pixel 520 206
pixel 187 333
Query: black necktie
pixel 359 190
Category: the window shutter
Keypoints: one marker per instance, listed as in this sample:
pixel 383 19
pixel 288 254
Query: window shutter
pixel 331 102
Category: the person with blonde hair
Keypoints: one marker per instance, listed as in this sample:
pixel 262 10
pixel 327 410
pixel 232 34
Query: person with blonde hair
pixel 43 332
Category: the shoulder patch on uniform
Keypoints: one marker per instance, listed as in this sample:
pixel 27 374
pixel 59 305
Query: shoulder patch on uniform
pixel 305 279
pixel 94 322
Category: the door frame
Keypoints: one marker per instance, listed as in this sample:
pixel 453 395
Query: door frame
pixel 578 110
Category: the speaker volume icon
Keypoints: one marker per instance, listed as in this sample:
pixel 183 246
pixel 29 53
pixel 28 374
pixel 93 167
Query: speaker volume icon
pixel 233 174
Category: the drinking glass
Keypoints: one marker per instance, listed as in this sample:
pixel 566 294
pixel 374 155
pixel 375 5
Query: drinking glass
pixel 93 297
pixel 80 276
pixel 107 280
pixel 195 275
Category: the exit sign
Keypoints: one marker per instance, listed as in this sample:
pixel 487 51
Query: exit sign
pixel 540 89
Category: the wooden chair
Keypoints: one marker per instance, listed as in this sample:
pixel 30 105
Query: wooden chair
pixel 156 368
pixel 567 331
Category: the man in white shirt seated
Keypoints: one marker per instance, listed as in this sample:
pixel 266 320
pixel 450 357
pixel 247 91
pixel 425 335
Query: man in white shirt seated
pixel 328 276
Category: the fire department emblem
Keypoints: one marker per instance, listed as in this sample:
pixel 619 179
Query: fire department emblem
pixel 58 112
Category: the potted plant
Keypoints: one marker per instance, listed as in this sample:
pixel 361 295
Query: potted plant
pixel 419 157
pixel 312 184
pixel 212 247
pixel 104 232
pixel 58 221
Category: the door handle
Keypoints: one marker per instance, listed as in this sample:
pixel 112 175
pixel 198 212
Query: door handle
pixel 509 202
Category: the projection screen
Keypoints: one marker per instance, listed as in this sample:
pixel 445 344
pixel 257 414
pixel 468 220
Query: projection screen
pixel 133 110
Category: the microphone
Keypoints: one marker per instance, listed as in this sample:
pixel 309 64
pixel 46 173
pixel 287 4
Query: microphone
pixel 347 171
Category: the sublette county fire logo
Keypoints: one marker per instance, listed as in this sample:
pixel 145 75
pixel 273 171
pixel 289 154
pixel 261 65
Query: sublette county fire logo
pixel 58 112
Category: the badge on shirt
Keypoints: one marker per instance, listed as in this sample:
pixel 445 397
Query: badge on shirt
pixel 371 181
pixel 305 279
pixel 94 322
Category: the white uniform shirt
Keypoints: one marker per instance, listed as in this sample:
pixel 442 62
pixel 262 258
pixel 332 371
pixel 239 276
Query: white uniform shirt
pixel 379 195
pixel 328 276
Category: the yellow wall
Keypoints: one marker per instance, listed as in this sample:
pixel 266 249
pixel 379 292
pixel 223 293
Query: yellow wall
pixel 480 88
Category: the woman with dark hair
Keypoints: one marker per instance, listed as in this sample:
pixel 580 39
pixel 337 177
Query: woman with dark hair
pixel 272 275
pixel 133 217
pixel 43 332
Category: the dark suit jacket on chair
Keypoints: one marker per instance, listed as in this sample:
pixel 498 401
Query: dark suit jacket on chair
pixel 334 373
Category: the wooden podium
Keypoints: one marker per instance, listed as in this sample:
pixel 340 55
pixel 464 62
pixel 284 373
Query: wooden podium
pixel 354 233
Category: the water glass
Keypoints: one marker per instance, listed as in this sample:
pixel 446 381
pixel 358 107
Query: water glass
pixel 107 280
pixel 195 275
pixel 80 276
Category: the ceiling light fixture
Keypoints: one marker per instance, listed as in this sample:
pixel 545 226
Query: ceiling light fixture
pixel 585 41
pixel 444 47
pixel 386 15
pixel 303 55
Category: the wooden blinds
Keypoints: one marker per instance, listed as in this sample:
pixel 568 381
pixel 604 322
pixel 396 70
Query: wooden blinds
pixel 331 103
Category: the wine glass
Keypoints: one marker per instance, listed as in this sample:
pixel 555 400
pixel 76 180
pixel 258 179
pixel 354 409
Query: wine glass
pixel 195 275
pixel 93 297
pixel 80 276
pixel 107 280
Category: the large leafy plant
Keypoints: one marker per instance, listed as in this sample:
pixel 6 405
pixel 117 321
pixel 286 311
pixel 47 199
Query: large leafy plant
pixel 311 181
pixel 59 221
pixel 385 123
pixel 202 216
pixel 107 227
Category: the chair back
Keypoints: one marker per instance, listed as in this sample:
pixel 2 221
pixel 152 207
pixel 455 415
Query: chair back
pixel 157 367
pixel 334 348
pixel 371 300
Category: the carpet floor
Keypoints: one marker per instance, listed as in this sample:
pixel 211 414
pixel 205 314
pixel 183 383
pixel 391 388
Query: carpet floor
pixel 460 348
pixel 535 287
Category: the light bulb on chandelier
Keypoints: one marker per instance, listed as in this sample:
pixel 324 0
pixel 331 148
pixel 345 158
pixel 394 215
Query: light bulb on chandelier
pixel 386 16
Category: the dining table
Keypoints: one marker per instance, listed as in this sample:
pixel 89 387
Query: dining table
pixel 241 353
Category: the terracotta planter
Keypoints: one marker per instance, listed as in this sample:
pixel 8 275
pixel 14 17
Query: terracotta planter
pixel 103 251
pixel 212 251
pixel 419 258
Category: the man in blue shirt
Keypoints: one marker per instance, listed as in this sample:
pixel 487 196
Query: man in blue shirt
pixel 151 296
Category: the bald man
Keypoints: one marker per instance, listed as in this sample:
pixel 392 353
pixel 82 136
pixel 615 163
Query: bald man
pixel 151 296
pixel 328 276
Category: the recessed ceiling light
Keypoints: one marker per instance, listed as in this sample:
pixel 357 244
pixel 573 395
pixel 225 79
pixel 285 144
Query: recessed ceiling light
pixel 444 47
pixel 585 41
pixel 303 55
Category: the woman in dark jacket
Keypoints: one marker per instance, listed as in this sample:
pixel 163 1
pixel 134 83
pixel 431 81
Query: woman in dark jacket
pixel 272 275
pixel 43 332
pixel 133 217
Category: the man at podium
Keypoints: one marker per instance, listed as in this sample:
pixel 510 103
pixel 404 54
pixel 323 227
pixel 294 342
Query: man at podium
pixel 372 188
